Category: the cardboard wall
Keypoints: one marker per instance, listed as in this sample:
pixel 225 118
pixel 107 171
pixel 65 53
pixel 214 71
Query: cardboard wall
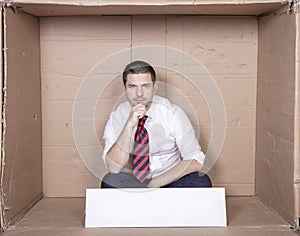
pixel 220 45
pixel 275 113
pixel 112 7
pixel 22 180
pixel 297 125
pixel 71 46
pixel 2 217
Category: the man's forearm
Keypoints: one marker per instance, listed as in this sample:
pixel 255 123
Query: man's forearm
pixel 183 168
pixel 117 157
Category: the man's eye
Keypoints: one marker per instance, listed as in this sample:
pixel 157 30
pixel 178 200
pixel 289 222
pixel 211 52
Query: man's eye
pixel 146 85
pixel 132 86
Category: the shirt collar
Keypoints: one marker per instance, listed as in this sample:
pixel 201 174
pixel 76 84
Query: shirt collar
pixel 150 113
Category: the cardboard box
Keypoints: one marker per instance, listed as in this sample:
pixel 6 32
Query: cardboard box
pixel 250 49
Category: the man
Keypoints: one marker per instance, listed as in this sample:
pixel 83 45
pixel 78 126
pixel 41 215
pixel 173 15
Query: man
pixel 150 142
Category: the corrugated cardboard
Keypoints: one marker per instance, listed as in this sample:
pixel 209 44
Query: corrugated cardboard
pixel 252 61
pixel 95 7
pixel 2 194
pixel 65 216
pixel 70 47
pixel 221 50
pixel 22 179
pixel 276 104
pixel 220 45
pixel 297 128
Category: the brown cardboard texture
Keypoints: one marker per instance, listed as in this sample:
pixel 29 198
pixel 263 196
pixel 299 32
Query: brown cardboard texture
pixel 65 216
pixel 111 7
pixel 2 205
pixel 22 173
pixel 275 85
pixel 61 39
pixel 297 128
pixel 249 48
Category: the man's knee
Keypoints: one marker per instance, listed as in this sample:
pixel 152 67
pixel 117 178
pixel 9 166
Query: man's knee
pixel 111 180
pixel 122 180
pixel 192 180
pixel 200 180
pixel 206 181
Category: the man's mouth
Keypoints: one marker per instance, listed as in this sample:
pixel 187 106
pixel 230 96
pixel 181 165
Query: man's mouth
pixel 140 100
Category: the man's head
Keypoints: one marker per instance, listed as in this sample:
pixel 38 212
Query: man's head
pixel 139 67
pixel 139 83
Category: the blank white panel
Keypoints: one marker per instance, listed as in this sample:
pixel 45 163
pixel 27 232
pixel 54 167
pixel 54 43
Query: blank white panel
pixel 169 207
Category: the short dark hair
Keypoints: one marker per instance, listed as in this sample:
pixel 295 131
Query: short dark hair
pixel 138 67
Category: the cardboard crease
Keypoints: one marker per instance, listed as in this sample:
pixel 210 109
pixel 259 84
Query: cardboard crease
pixel 3 207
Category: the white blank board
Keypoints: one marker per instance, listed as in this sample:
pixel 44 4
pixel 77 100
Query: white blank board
pixel 162 207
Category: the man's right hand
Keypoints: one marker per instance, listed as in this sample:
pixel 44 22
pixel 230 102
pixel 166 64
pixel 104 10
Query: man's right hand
pixel 136 113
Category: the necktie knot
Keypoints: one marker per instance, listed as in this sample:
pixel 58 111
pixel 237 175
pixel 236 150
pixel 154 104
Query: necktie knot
pixel 142 120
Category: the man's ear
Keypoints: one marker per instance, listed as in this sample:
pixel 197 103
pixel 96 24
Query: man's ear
pixel 124 88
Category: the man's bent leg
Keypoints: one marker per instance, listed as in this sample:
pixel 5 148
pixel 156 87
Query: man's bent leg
pixel 192 180
pixel 122 180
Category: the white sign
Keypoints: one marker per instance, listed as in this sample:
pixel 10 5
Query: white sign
pixel 162 207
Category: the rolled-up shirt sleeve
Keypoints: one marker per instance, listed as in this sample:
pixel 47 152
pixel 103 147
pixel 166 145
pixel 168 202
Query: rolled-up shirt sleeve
pixel 186 139
pixel 109 137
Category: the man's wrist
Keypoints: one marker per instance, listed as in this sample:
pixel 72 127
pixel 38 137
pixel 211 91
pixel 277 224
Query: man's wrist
pixel 129 126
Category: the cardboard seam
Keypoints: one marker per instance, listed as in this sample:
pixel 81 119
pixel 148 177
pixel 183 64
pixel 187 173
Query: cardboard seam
pixel 14 4
pixel 296 226
pixel 276 213
pixel 21 214
pixel 297 129
pixel 100 3
pixel 288 8
pixel 17 5
pixel 296 6
pixel 3 123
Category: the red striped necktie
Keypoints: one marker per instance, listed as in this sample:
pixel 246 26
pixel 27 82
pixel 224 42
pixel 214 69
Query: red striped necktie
pixel 141 151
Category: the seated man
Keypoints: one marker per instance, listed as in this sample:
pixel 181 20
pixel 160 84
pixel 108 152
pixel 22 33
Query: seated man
pixel 150 142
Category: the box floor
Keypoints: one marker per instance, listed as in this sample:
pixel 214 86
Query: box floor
pixel 65 216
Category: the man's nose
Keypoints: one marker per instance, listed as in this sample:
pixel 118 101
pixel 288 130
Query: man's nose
pixel 139 91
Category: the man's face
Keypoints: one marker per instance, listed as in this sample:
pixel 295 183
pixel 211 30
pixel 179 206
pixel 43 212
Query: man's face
pixel 139 88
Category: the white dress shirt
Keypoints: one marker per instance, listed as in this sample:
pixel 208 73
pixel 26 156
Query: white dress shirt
pixel 171 135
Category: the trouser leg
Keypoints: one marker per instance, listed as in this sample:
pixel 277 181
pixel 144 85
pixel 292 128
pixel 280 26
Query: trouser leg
pixel 192 180
pixel 122 180
pixel 127 180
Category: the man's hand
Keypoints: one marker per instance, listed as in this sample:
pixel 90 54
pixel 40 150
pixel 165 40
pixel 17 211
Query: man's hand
pixel 181 169
pixel 136 113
